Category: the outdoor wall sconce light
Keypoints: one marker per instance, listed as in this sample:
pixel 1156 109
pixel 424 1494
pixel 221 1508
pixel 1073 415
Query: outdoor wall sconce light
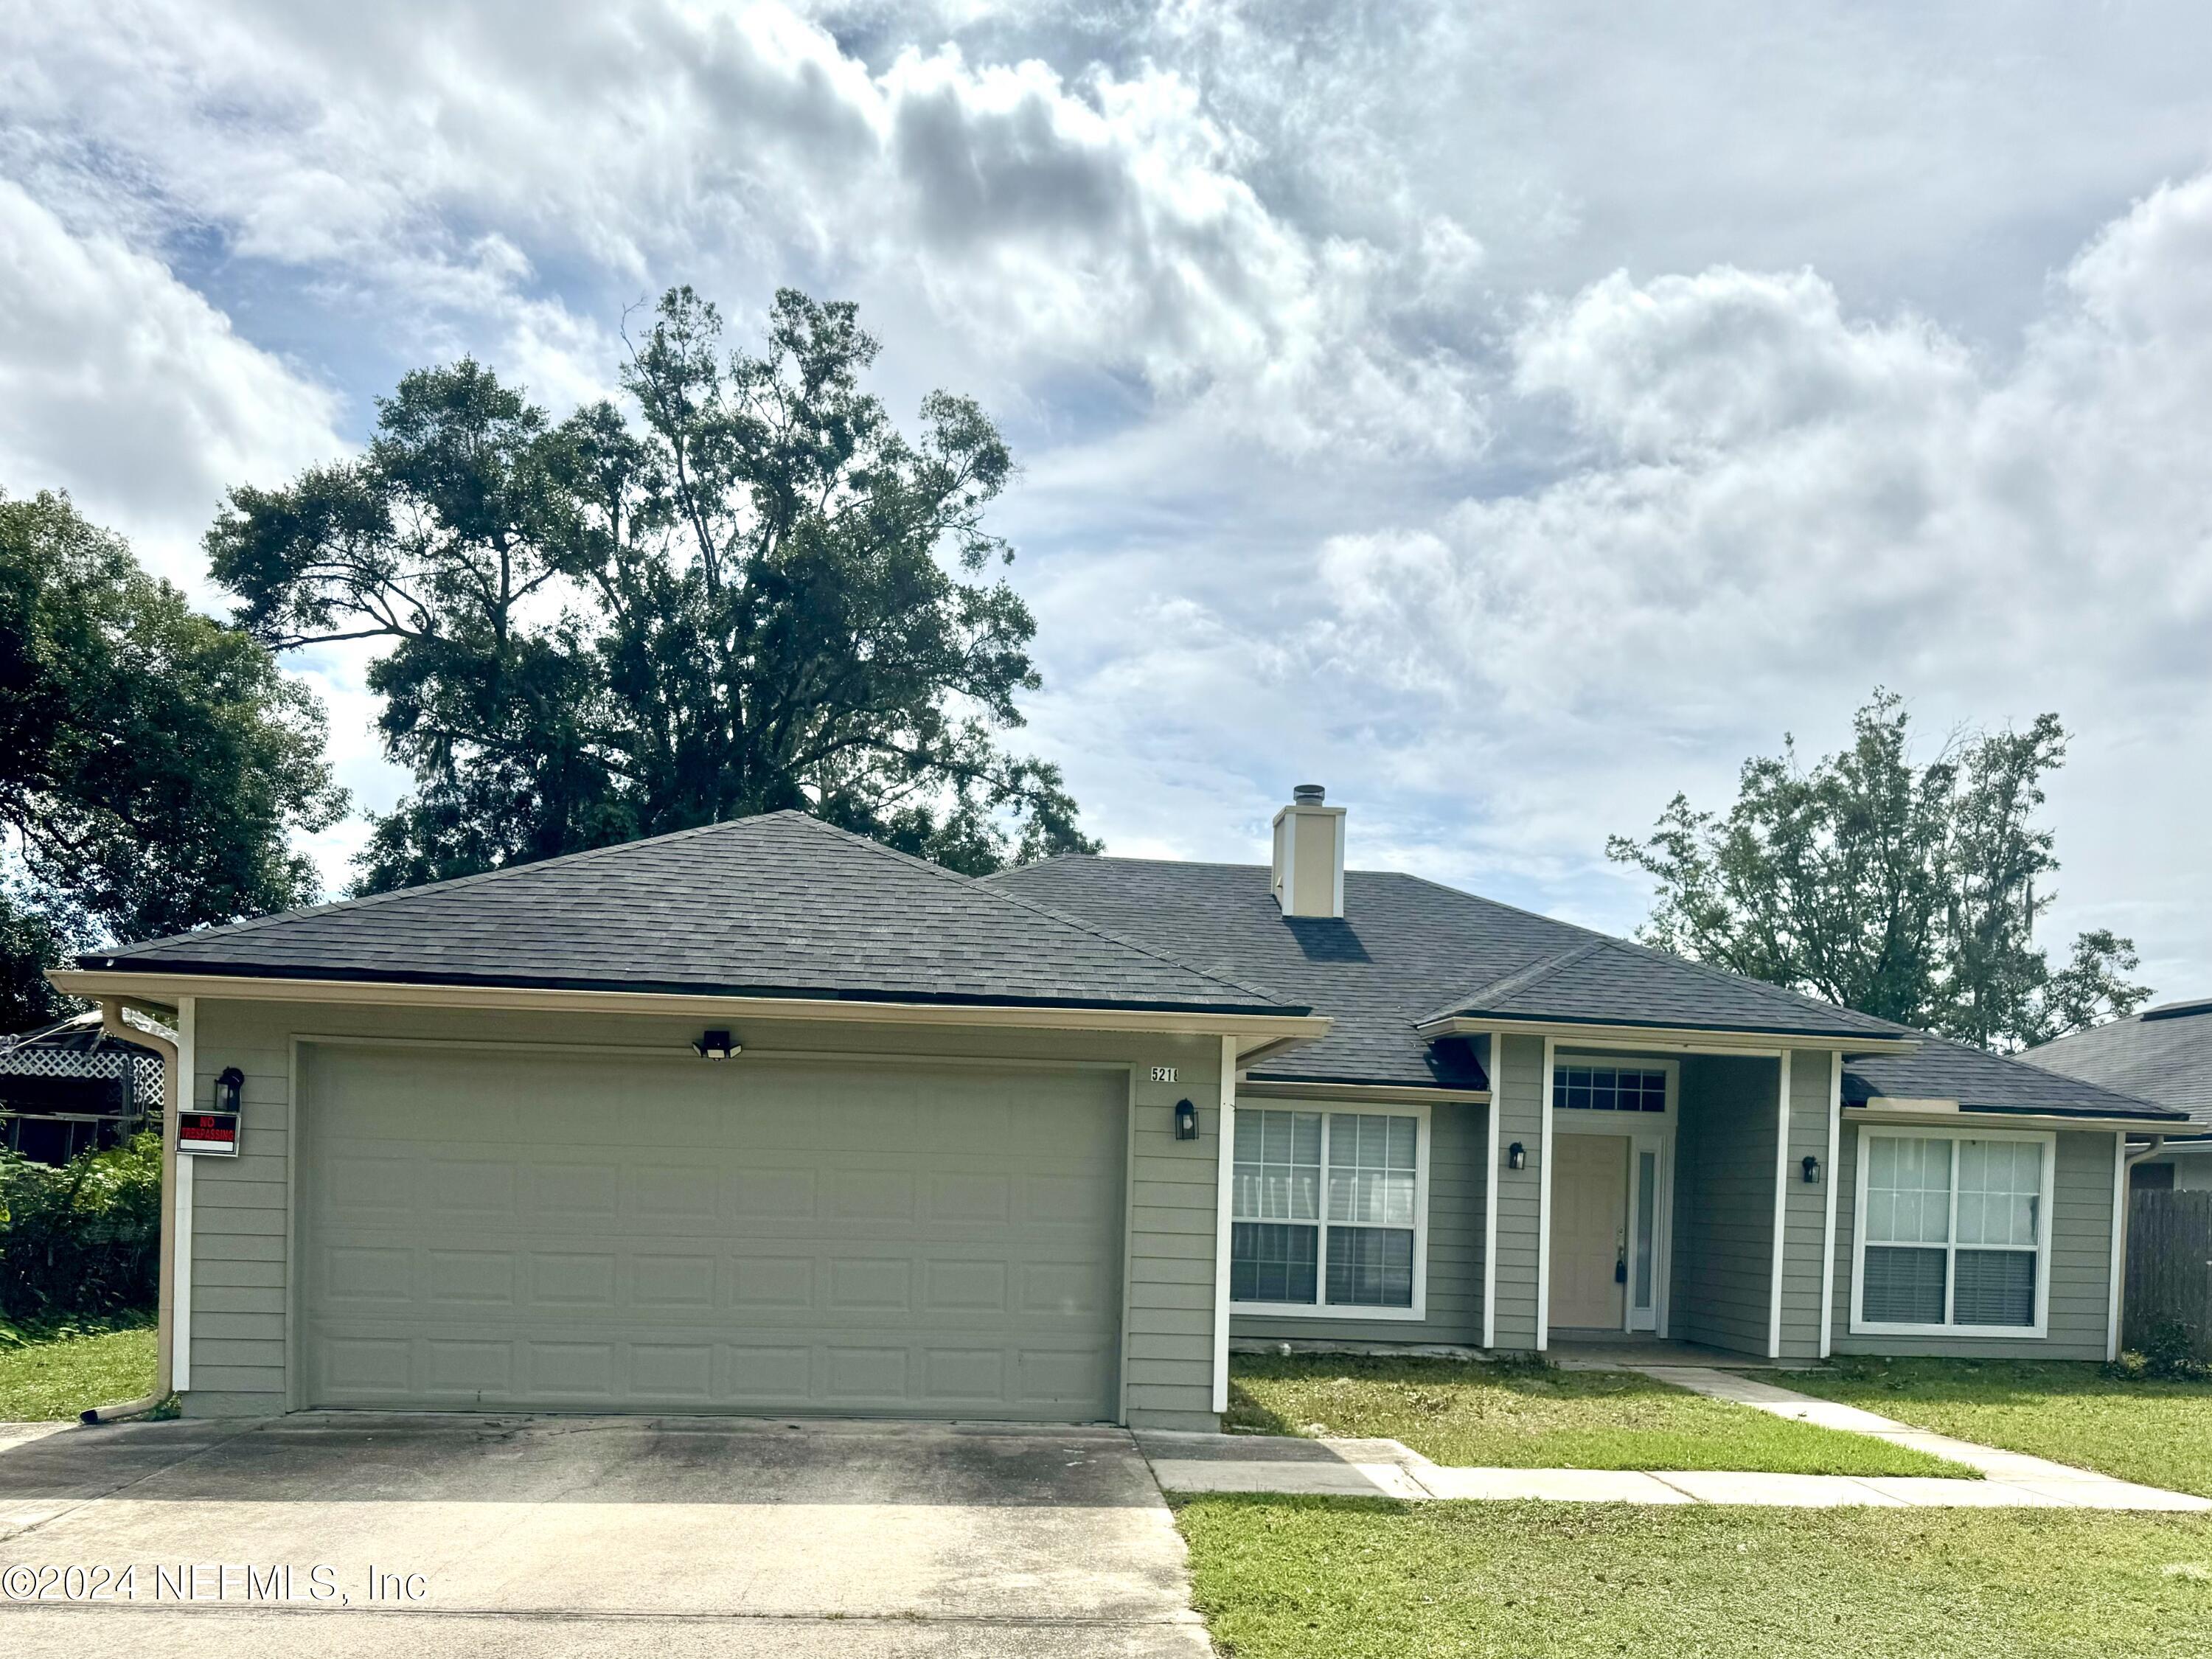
pixel 1812 1167
pixel 716 1045
pixel 227 1087
pixel 1516 1156
pixel 1186 1121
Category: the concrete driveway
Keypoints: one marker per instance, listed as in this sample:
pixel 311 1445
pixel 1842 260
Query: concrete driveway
pixel 353 1534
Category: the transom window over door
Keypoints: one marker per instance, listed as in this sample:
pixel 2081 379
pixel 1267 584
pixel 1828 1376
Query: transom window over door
pixel 1952 1232
pixel 1328 1212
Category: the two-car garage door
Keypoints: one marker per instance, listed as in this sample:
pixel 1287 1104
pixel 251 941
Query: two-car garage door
pixel 594 1232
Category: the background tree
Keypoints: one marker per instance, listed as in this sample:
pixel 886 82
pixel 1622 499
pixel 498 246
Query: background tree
pixel 155 764
pixel 747 592
pixel 1909 892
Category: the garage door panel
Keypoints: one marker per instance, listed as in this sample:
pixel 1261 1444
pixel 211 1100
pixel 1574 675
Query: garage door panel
pixel 783 1238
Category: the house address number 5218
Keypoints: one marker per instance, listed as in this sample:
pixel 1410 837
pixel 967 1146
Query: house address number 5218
pixel 1164 1074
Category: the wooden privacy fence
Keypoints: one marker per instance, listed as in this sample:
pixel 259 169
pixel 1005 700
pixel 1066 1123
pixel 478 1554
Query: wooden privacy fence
pixel 2170 1268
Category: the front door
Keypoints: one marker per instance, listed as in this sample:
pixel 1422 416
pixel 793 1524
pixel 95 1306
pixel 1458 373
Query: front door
pixel 1590 1231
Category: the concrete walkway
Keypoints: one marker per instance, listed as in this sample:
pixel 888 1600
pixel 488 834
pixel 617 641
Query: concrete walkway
pixel 1372 1468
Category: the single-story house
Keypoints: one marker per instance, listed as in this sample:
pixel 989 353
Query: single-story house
pixel 763 1117
pixel 2163 1055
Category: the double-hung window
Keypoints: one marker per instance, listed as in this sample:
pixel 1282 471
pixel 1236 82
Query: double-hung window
pixel 1328 1212
pixel 1954 1233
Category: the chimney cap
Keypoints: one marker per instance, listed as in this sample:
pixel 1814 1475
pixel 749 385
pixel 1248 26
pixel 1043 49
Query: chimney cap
pixel 1308 794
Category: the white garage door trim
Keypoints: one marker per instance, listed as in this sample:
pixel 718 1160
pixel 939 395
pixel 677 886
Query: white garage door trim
pixel 297 1387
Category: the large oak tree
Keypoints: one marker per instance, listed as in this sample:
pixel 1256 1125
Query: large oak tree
pixel 155 767
pixel 743 589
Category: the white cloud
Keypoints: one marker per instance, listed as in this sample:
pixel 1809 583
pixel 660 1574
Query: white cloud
pixel 123 385
pixel 1091 222
pixel 1778 506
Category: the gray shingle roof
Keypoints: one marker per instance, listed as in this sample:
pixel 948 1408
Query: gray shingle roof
pixel 2163 1053
pixel 1943 1070
pixel 779 905
pixel 1406 949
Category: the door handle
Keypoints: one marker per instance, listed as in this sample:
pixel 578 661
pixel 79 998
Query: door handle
pixel 1620 1270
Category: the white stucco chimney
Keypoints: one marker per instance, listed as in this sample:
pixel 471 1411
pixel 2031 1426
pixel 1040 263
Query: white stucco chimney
pixel 1309 855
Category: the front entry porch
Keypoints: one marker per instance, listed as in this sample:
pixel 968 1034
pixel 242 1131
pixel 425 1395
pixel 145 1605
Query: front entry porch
pixel 1679 1207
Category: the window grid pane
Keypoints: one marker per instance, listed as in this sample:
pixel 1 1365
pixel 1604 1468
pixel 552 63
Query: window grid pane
pixel 1903 1287
pixel 1994 1287
pixel 1908 1190
pixel 2000 1189
pixel 1372 1177
pixel 1277 1168
pixel 1371 1268
pixel 1272 1262
pixel 1608 1089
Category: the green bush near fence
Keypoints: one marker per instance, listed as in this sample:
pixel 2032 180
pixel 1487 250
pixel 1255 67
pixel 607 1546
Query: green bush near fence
pixel 82 1239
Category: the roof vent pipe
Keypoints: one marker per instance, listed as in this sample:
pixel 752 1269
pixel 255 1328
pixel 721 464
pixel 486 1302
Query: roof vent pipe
pixel 1309 864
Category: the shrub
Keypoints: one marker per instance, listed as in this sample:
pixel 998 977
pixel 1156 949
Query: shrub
pixel 85 1238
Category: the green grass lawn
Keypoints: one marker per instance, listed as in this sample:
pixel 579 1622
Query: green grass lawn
pixel 2160 1433
pixel 1529 1417
pixel 58 1377
pixel 1353 1578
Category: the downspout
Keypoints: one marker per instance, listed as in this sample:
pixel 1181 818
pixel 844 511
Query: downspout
pixel 112 1023
pixel 2129 1157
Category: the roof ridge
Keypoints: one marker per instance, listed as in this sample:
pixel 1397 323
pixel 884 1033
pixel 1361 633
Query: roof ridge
pixel 973 884
pixel 1765 987
pixel 1520 979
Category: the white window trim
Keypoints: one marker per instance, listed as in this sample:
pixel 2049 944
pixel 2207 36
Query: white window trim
pixel 1594 1120
pixel 1340 1310
pixel 2045 1225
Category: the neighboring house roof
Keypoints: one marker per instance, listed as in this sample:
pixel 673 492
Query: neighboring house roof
pixel 1406 951
pixel 1979 1080
pixel 2163 1053
pixel 778 905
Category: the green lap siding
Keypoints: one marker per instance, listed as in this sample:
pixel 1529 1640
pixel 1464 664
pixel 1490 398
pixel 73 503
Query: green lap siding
pixel 1519 1081
pixel 1804 1204
pixel 2081 1259
pixel 1724 1203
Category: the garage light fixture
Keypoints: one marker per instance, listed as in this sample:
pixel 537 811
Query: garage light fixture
pixel 1516 1156
pixel 1186 1121
pixel 1812 1168
pixel 717 1045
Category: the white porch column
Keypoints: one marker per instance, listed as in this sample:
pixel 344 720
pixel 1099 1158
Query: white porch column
pixel 1828 1226
pixel 1225 1155
pixel 1490 1186
pixel 1544 1209
pixel 180 1361
pixel 1781 1206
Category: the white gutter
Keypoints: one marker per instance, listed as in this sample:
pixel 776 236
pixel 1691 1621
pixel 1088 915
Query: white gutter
pixel 167 1302
pixel 2128 1158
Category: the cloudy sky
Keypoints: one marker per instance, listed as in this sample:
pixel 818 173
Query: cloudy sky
pixel 1503 414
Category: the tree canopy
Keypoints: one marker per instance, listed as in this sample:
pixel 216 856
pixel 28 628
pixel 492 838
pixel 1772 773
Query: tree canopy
pixel 1907 891
pixel 743 589
pixel 156 766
